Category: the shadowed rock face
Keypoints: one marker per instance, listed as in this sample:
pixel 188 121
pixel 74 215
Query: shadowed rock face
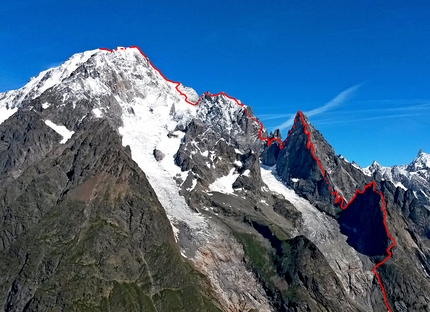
pixel 270 153
pixel 362 222
pixel 299 170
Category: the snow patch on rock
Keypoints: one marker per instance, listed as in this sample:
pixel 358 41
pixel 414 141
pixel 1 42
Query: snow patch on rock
pixel 61 130
pixel 224 184
pixel 193 185
pixel 399 184
pixel 5 113
pixel 97 112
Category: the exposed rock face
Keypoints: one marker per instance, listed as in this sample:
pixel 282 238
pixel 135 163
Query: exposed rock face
pixel 219 261
pixel 305 267
pixel 158 155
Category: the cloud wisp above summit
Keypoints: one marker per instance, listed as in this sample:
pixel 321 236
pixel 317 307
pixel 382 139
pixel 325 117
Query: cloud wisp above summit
pixel 377 113
pixel 339 99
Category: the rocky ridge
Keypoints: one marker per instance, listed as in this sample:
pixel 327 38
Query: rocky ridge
pixel 320 176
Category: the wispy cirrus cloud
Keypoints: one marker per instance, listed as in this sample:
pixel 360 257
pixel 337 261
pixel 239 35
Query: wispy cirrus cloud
pixel 336 101
pixel 402 109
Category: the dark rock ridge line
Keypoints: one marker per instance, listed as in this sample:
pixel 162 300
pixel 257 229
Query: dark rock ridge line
pixel 269 140
pixel 342 203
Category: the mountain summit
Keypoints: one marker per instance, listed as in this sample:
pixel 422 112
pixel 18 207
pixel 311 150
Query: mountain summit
pixel 121 190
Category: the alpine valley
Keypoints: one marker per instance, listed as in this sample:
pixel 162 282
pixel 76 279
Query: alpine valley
pixel 117 194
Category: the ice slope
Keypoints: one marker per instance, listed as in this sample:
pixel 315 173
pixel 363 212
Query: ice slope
pixel 151 110
pixel 143 132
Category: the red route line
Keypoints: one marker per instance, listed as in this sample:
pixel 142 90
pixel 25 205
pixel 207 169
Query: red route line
pixel 253 118
pixel 343 205
pixel 310 145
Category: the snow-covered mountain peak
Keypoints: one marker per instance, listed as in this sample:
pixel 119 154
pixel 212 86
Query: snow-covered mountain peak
pixel 93 63
pixel 110 82
pixel 107 83
pixel 123 86
pixel 415 176
pixel 421 162
pixel 375 164
pixel 375 167
pixel 45 80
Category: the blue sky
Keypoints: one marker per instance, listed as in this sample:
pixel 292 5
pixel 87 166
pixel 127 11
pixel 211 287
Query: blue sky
pixel 361 69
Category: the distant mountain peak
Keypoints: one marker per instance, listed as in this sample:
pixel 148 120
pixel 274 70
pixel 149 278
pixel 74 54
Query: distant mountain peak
pixel 420 162
pixel 375 165
pixel 422 155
